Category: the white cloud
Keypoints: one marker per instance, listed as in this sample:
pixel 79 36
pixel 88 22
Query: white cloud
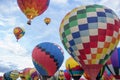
pixel 19 62
pixel 13 47
pixel 10 8
pixel 8 21
pixel 59 1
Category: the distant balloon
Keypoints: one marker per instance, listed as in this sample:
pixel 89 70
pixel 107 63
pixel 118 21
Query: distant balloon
pixel 6 76
pixel 33 8
pixel 67 75
pixel 89 34
pixel 14 74
pixel 47 20
pixel 74 68
pixel 47 58
pixel 34 74
pixel 61 75
pixel 25 74
pixel 11 75
pixel 18 32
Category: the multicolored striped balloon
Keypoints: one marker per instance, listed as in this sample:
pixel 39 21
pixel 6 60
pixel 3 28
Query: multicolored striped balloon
pixel 74 68
pixel 47 58
pixel 89 34
pixel 113 63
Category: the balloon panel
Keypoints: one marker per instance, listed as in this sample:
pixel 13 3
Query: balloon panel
pixel 47 58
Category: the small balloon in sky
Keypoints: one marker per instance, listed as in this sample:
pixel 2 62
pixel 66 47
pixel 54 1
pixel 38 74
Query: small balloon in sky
pixel 18 32
pixel 47 20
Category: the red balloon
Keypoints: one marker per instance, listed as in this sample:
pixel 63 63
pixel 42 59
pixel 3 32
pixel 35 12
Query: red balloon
pixel 33 8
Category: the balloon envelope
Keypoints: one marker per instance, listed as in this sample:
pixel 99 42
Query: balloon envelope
pixel 89 34
pixel 47 58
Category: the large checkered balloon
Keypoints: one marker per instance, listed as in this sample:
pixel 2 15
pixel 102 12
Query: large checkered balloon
pixel 89 34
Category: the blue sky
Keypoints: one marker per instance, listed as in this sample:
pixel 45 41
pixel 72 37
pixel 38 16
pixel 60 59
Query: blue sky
pixel 17 55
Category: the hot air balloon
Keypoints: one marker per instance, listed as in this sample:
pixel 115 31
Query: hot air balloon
pixel 6 76
pixel 67 75
pixel 14 74
pixel 47 58
pixel 89 34
pixel 32 8
pixel 113 64
pixel 34 74
pixel 18 32
pixel 11 75
pixel 74 68
pixel 25 74
pixel 61 75
pixel 47 20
